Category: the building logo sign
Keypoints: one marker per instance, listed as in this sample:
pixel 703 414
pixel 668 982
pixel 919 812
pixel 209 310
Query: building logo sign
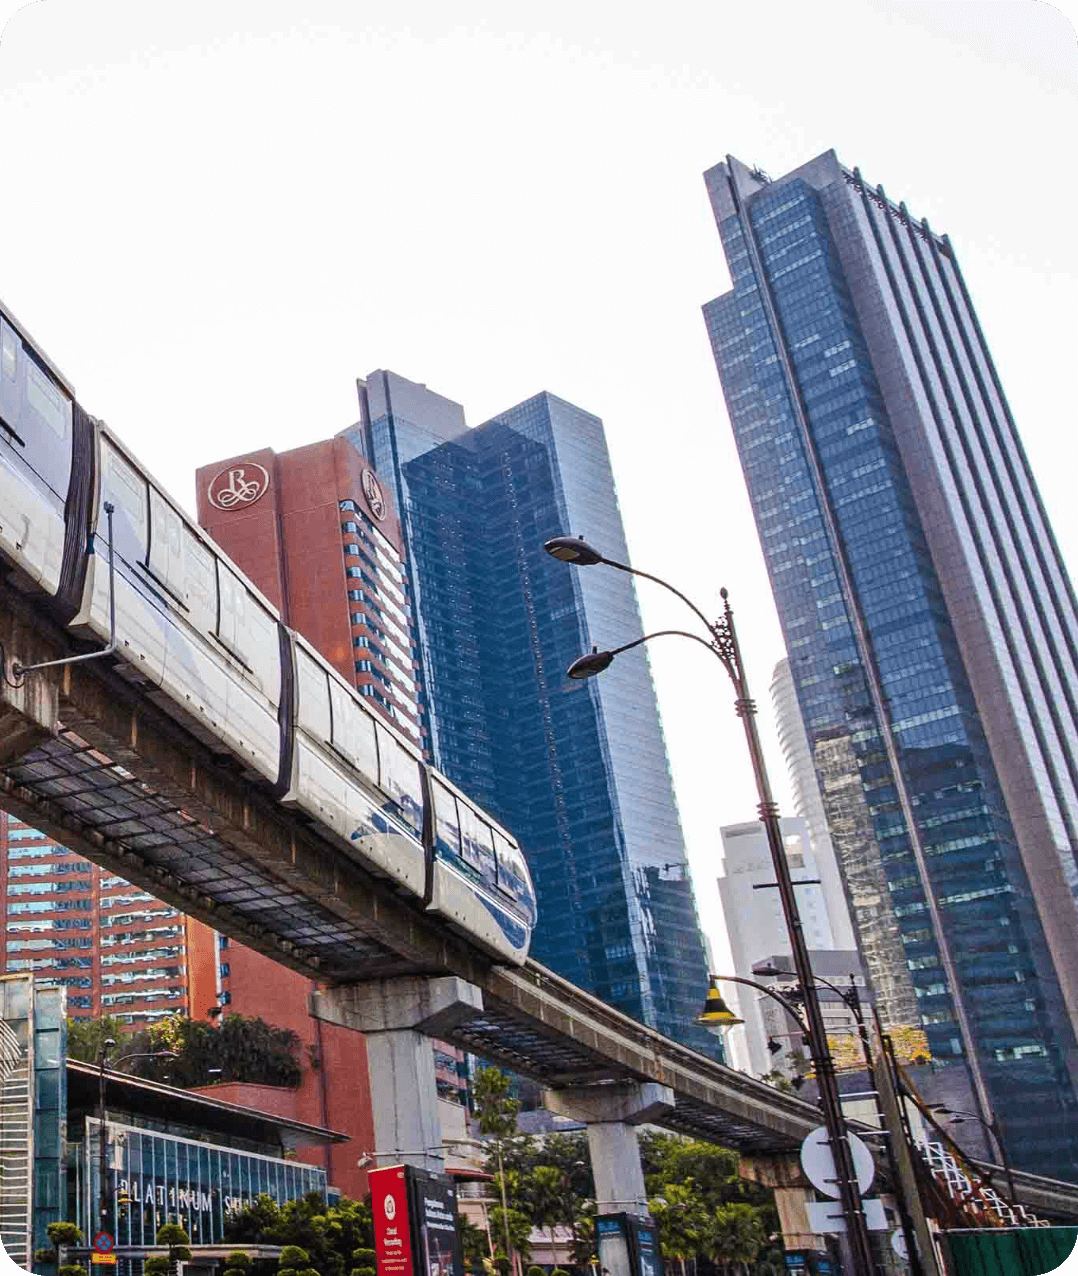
pixel 238 485
pixel 372 490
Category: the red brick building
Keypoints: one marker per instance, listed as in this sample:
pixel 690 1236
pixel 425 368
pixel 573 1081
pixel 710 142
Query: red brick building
pixel 313 529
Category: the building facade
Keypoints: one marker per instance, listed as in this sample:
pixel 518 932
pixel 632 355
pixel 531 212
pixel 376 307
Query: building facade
pixel 756 929
pixel 116 949
pixel 578 770
pixel 929 622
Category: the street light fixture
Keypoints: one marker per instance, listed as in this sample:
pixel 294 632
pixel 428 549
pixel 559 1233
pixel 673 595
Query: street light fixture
pixel 960 1117
pixel 722 642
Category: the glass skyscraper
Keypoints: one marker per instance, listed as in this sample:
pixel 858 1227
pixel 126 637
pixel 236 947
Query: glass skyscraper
pixel 929 621
pixel 578 770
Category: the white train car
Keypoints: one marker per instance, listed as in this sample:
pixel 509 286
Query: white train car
pixel 206 646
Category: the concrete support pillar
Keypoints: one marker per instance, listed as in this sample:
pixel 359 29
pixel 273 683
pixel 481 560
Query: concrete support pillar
pixel 792 1193
pixel 612 1113
pixel 398 1018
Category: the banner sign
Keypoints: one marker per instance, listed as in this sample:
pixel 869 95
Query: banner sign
pixel 392 1224
pixel 415 1222
pixel 434 1214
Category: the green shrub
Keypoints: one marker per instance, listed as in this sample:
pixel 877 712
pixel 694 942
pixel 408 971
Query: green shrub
pixel 559 1271
pixel 535 1270
pixel 363 1271
pixel 293 1256
pixel 156 1266
pixel 72 1269
pixel 364 1257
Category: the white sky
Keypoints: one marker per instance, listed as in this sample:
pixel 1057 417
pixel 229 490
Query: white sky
pixel 214 216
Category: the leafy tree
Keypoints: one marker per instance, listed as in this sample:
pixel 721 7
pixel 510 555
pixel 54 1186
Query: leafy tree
pixel 85 1037
pixel 682 1221
pixel 239 1049
pixel 155 1266
pixel 474 1243
pixel 72 1269
pixel 337 1238
pixel 737 1236
pixel 516 1225
pixel 62 1235
pixel 496 1115
pixel 549 1199
pixel 177 1240
pixel 237 1262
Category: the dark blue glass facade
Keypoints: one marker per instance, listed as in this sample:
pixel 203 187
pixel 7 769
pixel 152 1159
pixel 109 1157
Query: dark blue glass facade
pixel 819 349
pixel 578 770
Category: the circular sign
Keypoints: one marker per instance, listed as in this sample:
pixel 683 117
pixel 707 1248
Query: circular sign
pixel 391 1206
pixel 103 1243
pixel 372 490
pixel 819 1164
pixel 238 485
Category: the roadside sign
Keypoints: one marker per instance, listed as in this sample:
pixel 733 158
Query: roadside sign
pixel 98 1259
pixel 104 1243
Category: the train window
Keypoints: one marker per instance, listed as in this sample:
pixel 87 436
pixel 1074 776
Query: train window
pixel 9 345
pixel 353 731
pixel 231 610
pixel 200 585
pixel 446 821
pixel 263 650
pixel 512 871
pixel 165 555
pixel 399 779
pixel 476 842
pixel 47 401
pixel 313 697
pixel 125 487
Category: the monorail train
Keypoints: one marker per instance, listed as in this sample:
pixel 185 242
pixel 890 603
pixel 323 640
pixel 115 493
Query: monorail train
pixel 212 652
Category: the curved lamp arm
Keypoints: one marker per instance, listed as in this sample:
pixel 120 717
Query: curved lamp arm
pixel 788 1006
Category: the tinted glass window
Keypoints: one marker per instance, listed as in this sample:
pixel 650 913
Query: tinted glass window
pixel 353 731
pixel 446 821
pixel 400 779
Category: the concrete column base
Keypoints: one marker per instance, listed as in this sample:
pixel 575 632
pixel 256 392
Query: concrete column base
pixel 399 1017
pixel 612 1114
pixel 792 1192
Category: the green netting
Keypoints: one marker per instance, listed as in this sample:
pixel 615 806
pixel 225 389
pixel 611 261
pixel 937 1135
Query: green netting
pixel 1023 1251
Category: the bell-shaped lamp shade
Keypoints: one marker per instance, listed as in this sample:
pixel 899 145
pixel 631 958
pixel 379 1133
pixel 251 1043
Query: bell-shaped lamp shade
pixel 591 664
pixel 716 1013
pixel 570 549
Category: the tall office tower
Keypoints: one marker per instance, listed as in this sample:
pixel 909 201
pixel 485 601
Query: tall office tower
pixel 117 950
pixel 808 803
pixel 757 932
pixel 928 618
pixel 577 770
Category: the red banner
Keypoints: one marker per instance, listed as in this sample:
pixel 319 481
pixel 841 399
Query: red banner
pixel 392 1235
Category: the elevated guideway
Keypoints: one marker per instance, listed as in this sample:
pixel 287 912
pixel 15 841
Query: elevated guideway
pixel 87 757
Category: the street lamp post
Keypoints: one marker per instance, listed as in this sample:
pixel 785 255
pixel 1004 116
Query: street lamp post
pixel 102 1167
pixel 724 644
pixel 102 1057
pixel 959 1117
